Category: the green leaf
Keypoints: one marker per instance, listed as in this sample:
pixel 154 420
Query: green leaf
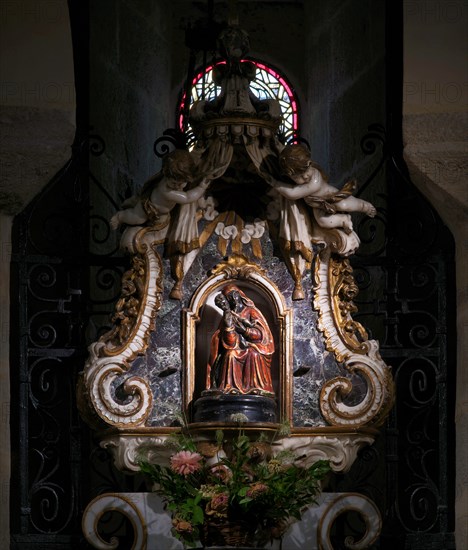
pixel 219 437
pixel 198 515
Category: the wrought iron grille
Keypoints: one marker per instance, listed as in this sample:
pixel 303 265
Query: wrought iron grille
pixel 407 302
pixel 65 279
pixel 49 289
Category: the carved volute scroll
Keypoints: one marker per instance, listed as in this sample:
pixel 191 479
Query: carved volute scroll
pixel 151 525
pixel 335 289
pixel 106 389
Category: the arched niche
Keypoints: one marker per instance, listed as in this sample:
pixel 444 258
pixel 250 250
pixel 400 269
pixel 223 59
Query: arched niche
pixel 201 319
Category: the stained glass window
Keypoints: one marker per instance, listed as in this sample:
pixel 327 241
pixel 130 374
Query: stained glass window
pixel 267 84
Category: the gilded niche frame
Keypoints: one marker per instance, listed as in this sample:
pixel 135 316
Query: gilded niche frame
pixel 253 281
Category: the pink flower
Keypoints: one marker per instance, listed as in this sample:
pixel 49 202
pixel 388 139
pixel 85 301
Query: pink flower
pixel 222 472
pixel 186 462
pixel 218 505
pixel 256 489
pixel 219 502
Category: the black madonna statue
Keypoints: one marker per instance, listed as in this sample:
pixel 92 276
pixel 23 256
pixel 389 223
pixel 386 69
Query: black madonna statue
pixel 238 374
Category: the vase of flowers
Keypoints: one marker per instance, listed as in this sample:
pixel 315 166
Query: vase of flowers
pixel 233 491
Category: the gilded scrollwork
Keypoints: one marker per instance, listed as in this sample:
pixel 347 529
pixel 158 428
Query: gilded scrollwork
pixel 237 267
pixel 128 448
pixel 335 290
pixel 127 504
pixel 339 448
pixel 108 390
pixel 152 525
pixel 127 307
pixel 377 401
pixel 343 290
pixel 326 443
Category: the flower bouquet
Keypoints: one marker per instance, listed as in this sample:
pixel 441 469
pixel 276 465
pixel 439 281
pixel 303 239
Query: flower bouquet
pixel 233 491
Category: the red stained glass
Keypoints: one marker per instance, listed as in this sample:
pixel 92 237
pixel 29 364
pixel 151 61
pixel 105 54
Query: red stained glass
pixel 267 84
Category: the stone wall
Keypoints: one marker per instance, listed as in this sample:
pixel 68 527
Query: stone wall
pixel 130 77
pixel 345 85
pixel 37 126
pixel 435 129
pixel 37 98
pixel 129 107
pixel 345 90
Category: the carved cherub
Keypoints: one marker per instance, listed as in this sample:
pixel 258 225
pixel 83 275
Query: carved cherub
pixel 153 206
pixel 328 203
pixel 162 192
pixel 330 209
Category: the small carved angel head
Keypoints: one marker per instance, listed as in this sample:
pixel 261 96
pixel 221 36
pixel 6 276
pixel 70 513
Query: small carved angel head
pixel 179 166
pixel 294 159
pixel 295 162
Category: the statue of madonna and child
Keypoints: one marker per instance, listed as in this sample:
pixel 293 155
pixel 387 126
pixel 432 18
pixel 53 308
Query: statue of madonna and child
pixel 238 373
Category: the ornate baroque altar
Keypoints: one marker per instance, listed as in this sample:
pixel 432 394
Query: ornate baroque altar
pixel 238 301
